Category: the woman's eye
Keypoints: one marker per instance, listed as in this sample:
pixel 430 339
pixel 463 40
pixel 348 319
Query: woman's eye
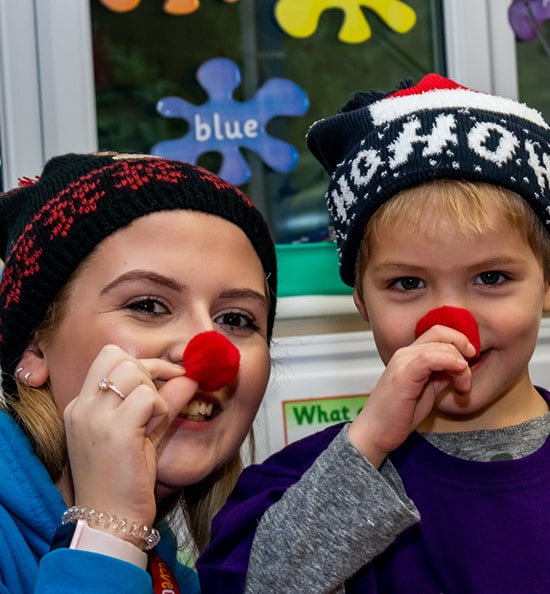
pixel 236 321
pixel 149 306
pixel 408 283
pixel 491 277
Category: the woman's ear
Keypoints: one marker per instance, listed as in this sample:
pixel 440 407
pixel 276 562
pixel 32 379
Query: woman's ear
pixel 33 366
pixel 360 304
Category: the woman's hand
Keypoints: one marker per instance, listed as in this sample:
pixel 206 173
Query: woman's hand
pixel 113 442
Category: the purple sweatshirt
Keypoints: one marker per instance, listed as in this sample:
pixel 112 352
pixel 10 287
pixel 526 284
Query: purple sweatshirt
pixel 484 526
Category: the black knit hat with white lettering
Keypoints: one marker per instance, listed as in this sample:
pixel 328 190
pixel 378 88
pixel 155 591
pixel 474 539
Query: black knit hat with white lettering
pixel 49 225
pixel 380 144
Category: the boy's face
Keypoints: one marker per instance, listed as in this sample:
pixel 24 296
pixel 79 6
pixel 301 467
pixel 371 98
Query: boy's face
pixel 495 275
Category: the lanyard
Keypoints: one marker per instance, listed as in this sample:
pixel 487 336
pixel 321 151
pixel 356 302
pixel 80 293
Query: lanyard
pixel 164 581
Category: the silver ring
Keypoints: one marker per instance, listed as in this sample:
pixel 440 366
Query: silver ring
pixel 106 384
pixel 26 378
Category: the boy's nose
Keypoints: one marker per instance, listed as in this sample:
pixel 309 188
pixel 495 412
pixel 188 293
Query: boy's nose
pixel 450 298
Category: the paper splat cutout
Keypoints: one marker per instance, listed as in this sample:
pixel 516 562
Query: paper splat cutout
pixel 223 125
pixel 299 18
pixel 174 7
pixel 526 18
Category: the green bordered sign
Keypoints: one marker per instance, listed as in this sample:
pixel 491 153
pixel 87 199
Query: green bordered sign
pixel 303 417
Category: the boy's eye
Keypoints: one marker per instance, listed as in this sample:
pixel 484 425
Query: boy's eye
pixel 408 283
pixel 491 277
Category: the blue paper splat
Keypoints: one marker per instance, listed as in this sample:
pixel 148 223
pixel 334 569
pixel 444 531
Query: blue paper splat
pixel 224 125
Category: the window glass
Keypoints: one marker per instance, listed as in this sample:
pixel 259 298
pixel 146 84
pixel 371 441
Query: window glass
pixel 144 55
pixel 530 21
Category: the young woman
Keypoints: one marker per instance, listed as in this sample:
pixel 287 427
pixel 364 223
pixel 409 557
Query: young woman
pixel 112 264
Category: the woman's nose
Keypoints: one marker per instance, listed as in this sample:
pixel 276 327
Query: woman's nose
pixel 184 335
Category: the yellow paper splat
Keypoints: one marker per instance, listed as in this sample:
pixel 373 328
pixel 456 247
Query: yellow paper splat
pixel 300 19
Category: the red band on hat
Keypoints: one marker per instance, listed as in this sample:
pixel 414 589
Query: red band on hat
pixel 431 82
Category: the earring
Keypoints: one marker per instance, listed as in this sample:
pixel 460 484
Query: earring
pixel 17 373
pixel 26 378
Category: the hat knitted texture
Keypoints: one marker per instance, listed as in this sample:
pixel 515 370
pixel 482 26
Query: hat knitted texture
pixel 47 228
pixel 381 144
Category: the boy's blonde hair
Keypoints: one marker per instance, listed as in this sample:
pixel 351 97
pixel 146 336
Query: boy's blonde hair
pixel 469 205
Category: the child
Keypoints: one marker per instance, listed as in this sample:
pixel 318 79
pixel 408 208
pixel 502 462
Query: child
pixel 110 270
pixel 439 196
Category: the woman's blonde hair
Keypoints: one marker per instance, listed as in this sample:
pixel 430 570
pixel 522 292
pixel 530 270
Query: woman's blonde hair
pixel 35 410
pixel 469 205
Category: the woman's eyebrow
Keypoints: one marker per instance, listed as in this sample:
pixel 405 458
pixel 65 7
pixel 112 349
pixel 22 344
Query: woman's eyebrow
pixel 245 294
pixel 147 275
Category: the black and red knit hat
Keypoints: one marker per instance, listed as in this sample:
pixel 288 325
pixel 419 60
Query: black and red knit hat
pixel 380 144
pixel 48 227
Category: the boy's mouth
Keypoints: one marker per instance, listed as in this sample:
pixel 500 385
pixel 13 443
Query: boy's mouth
pixel 475 360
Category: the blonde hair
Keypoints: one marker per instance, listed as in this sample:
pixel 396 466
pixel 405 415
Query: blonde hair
pixel 469 205
pixel 35 411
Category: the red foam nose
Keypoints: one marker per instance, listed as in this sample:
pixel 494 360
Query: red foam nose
pixel 452 317
pixel 212 360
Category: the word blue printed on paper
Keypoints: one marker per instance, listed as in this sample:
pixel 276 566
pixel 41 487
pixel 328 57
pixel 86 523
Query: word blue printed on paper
pixel 224 125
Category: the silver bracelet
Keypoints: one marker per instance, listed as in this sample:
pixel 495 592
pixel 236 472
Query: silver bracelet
pixel 149 536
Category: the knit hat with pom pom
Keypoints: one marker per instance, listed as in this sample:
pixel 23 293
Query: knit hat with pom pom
pixel 380 144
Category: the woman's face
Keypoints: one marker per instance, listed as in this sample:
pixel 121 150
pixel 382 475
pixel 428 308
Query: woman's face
pixel 149 288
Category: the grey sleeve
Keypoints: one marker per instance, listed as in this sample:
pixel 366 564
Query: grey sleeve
pixel 338 517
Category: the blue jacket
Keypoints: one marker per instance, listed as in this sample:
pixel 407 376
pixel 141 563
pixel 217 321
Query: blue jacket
pixel 30 510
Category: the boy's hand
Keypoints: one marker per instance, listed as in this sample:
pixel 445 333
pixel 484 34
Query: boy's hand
pixel 408 388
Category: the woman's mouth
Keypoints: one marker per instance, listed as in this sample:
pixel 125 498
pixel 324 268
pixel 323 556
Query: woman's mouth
pixel 199 410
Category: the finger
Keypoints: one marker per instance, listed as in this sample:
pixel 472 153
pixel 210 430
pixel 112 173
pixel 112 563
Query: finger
pixel 462 382
pixel 420 364
pixel 108 358
pixel 125 372
pixel 177 393
pixel 159 369
pixel 124 378
pixel 106 384
pixel 444 334
pixel 146 409
pixel 154 410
